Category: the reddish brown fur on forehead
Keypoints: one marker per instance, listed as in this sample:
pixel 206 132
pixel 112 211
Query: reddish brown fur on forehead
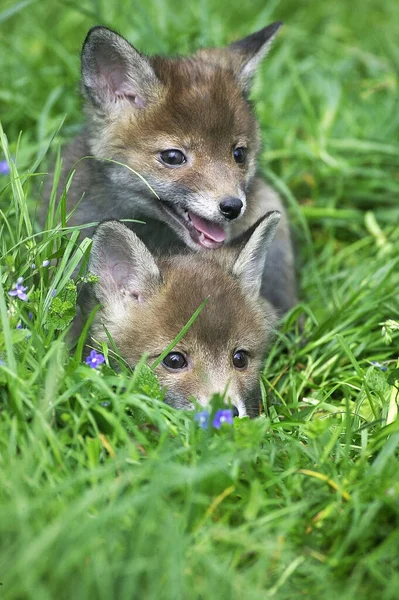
pixel 228 318
pixel 228 314
pixel 199 104
pixel 205 97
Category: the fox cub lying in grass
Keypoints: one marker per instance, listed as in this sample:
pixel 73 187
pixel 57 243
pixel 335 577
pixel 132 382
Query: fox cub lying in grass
pixel 187 137
pixel 147 300
pixel 187 140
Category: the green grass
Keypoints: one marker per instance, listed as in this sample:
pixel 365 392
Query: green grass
pixel 131 499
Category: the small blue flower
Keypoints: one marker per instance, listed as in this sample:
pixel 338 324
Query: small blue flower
pixel 19 290
pixel 53 293
pixel 4 168
pixel 94 359
pixel 106 403
pixel 45 263
pixel 33 266
pixel 223 416
pixel 202 418
pixel 2 362
pixel 379 365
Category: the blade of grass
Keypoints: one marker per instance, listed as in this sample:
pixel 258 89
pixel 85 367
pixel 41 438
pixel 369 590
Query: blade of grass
pixel 180 335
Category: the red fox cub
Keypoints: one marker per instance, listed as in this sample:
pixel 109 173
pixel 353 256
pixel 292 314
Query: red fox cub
pixel 188 140
pixel 147 300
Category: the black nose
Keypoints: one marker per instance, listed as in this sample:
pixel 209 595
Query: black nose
pixel 235 411
pixel 230 208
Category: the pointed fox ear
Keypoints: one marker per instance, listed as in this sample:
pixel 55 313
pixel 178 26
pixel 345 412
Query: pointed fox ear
pixel 112 70
pixel 247 53
pixel 125 267
pixel 250 263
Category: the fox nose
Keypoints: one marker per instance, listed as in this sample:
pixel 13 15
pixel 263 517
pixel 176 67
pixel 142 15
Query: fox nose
pixel 235 411
pixel 231 208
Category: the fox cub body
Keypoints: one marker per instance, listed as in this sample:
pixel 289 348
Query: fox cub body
pixel 188 141
pixel 146 301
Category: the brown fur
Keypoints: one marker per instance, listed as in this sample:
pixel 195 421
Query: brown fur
pixel 147 302
pixel 229 321
pixel 198 108
pixel 137 106
pixel 182 119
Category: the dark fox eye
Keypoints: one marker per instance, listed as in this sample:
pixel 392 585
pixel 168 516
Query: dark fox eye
pixel 240 359
pixel 173 158
pixel 240 154
pixel 175 360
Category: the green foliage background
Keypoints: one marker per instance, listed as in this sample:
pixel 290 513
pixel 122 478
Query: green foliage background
pixel 105 492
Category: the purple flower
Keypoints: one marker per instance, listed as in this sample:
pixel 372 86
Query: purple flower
pixel 45 263
pixel 94 359
pixel 19 290
pixel 223 416
pixel 202 418
pixel 4 168
pixel 379 365
pixel 53 293
pixel 19 326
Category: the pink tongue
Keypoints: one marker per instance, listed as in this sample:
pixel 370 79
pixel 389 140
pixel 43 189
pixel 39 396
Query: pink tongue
pixel 211 230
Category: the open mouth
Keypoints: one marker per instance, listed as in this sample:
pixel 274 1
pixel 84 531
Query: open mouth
pixel 203 232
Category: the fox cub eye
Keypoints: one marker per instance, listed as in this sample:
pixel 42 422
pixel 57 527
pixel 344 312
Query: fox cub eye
pixel 240 154
pixel 174 360
pixel 173 158
pixel 240 359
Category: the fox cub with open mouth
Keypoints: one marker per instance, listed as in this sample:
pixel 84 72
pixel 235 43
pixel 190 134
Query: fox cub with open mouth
pixel 147 300
pixel 187 137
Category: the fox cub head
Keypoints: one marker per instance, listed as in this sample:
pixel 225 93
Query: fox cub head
pixel 183 124
pixel 147 301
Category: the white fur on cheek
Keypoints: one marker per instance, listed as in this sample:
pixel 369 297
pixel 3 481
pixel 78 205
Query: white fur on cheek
pixel 115 309
pixel 240 405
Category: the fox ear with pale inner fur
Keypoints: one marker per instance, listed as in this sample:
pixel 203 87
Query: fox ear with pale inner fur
pixel 113 71
pixel 125 267
pixel 247 53
pixel 249 264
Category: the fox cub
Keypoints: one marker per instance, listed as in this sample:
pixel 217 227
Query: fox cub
pixel 188 140
pixel 147 300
